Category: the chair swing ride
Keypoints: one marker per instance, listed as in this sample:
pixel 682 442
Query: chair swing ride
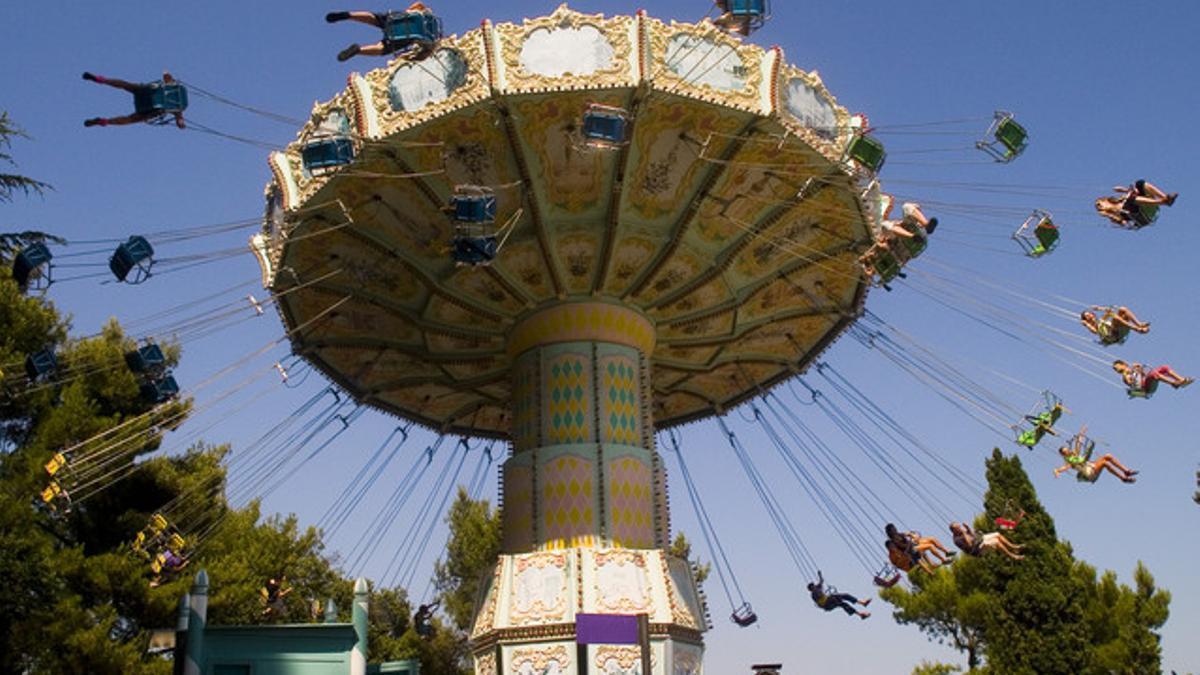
pixel 598 283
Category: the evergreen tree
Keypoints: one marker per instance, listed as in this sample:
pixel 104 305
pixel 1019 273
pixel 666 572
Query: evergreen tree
pixel 1047 613
pixel 470 557
pixel 11 184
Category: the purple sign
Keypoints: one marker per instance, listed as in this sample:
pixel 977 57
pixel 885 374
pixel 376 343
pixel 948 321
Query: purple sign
pixel 606 629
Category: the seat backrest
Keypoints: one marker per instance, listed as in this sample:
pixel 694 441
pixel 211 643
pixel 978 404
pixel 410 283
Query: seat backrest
pixel 325 152
pixel 867 152
pixel 474 208
pixel 752 8
pixel 1047 235
pixel 1012 135
pixel 30 259
pixel 604 126
pixel 406 27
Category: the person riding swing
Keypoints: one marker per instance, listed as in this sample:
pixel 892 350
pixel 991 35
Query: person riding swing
pixel 151 100
pixel 828 600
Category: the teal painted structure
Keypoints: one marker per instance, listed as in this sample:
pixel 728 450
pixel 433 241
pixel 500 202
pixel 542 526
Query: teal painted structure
pixel 328 648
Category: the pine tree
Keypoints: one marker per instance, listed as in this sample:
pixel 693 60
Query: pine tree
pixel 11 184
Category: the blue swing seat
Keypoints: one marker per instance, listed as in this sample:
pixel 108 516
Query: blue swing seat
pixel 146 359
pixel 160 97
pixel 605 126
pixel 756 11
pixel 32 264
pixel 134 254
pixel 477 250
pixel 406 29
pixel 325 153
pixel 160 390
pixel 472 206
pixel 40 365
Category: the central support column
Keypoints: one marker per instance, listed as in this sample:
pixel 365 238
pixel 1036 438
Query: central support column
pixel 584 506
pixel 584 471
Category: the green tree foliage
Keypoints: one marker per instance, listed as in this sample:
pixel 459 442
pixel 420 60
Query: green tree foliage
pixel 928 668
pixel 682 548
pixel 11 184
pixel 1047 613
pixel 73 597
pixel 470 557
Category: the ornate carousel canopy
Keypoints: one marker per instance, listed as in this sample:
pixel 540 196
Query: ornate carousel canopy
pixel 727 218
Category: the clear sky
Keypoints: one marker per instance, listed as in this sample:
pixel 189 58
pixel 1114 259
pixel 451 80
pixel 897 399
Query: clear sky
pixel 1107 94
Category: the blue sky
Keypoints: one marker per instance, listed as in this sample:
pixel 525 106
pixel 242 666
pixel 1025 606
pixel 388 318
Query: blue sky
pixel 1106 94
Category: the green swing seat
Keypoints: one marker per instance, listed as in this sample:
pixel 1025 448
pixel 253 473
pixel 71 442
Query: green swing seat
pixel 1006 138
pixel 867 153
pixel 1038 235
pixel 1043 418
pixel 887 266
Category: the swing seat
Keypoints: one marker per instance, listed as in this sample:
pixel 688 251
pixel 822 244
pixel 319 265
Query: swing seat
pixel 887 265
pixel 176 542
pixel 146 359
pixel 160 98
pixel 605 126
pixel 139 545
pixel 1143 392
pixel 867 153
pixel 474 250
pixel 158 523
pixel 135 254
pixel 52 492
pixel 1038 235
pixel 1146 216
pixel 756 11
pixel 1006 140
pixel 32 264
pixel 744 615
pixel 473 205
pixel 1009 523
pixel 887 579
pixel 1043 418
pixel 160 390
pixel 56 463
pixel 324 154
pixel 40 365
pixel 406 29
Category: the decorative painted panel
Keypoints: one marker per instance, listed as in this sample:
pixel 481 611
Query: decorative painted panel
pixel 620 396
pixel 621 660
pixel 567 505
pixel 545 660
pixel 622 582
pixel 540 589
pixel 568 408
pixel 416 85
pixel 686 609
pixel 526 407
pixel 485 664
pixel 630 501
